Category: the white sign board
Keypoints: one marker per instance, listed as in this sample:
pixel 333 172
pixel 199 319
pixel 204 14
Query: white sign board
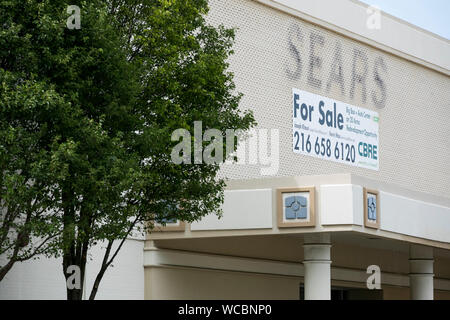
pixel 333 130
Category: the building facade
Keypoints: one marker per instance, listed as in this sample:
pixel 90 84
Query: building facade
pixel 343 189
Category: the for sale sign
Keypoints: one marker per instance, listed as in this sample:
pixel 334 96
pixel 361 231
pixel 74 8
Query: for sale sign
pixel 332 130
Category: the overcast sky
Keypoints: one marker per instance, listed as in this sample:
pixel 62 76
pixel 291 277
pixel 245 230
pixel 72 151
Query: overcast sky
pixel 432 15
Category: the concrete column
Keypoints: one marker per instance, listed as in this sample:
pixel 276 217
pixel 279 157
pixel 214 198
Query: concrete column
pixel 421 272
pixel 317 263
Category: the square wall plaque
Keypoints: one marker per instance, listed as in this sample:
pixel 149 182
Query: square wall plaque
pixel 296 207
pixel 371 209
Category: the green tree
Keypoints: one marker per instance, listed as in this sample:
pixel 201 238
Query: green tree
pixel 26 227
pixel 89 113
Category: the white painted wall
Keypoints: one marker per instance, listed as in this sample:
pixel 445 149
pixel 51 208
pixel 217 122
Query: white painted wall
pixel 44 279
pixel 35 279
pixel 341 204
pixel 415 218
pixel 242 209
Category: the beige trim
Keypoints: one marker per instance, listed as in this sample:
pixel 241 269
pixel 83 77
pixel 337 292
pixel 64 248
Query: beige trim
pixel 297 230
pixel 368 223
pixel 401 237
pixel 169 258
pixel 248 232
pixel 312 215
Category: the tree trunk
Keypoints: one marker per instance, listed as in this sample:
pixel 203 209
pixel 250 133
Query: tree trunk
pixel 4 270
pixel 97 283
pixel 80 261
pixel 100 274
pixel 71 256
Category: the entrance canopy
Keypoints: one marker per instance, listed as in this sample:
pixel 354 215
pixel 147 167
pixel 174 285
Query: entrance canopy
pixel 338 227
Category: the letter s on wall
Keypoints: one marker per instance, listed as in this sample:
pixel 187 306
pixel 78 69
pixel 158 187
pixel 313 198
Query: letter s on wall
pixel 294 34
pixel 379 102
